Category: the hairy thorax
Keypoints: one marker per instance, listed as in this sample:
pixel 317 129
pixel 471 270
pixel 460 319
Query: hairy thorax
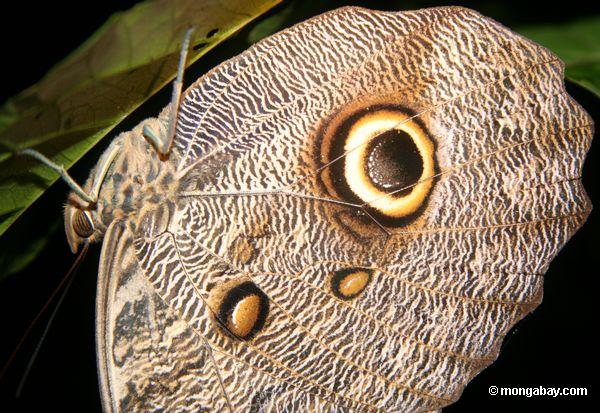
pixel 137 182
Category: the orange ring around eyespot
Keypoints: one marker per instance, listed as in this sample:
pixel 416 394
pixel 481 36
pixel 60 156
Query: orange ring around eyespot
pixel 356 147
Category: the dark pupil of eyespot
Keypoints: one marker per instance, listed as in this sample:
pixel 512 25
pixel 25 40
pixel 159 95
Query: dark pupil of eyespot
pixel 394 162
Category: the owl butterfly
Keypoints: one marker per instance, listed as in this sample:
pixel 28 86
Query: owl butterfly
pixel 351 215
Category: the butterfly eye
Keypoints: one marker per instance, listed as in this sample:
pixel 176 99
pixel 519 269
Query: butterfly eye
pixel 383 159
pixel 82 224
pixel 243 310
pixel 348 283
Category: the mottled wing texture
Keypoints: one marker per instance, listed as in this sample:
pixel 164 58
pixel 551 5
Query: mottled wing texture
pixel 149 359
pixel 261 203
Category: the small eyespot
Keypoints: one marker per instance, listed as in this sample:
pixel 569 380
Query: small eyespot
pixel 82 224
pixel 349 283
pixel 243 310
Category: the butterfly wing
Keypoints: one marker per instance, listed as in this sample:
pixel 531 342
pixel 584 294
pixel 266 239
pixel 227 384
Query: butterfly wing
pixel 317 275
pixel 148 358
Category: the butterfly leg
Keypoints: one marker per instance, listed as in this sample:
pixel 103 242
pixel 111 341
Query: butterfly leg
pixel 60 169
pixel 97 180
pixel 163 143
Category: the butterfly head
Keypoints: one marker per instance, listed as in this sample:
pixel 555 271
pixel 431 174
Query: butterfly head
pixel 82 224
pixel 128 179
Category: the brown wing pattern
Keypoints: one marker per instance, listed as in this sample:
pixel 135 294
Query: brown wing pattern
pixel 148 358
pixel 306 254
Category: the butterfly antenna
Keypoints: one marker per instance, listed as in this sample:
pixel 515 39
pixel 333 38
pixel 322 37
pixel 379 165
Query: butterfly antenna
pixel 68 280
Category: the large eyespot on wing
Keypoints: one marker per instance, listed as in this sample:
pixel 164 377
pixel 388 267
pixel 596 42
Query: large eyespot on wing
pixel 380 156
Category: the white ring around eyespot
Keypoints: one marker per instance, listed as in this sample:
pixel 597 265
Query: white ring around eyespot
pixel 355 171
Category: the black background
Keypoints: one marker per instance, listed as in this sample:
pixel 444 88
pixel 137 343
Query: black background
pixel 554 346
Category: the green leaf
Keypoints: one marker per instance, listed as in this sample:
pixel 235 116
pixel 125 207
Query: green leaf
pixel 79 101
pixel 578 44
